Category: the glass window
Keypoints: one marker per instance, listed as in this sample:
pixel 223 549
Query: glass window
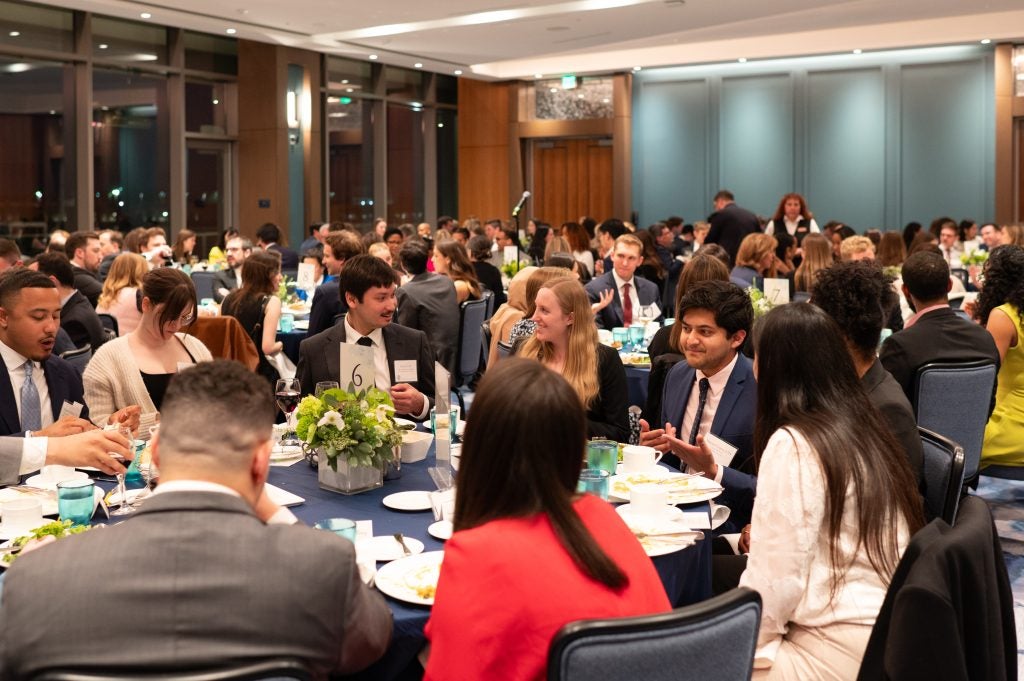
pixel 205 52
pixel 43 28
pixel 350 140
pixel 130 165
pixel 1018 69
pixel 128 41
pixel 405 164
pixel 447 163
pixel 206 107
pixel 404 83
pixel 590 98
pixel 446 89
pixel 37 191
pixel 349 76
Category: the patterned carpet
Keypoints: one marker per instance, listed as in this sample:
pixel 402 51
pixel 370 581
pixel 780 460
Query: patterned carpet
pixel 1006 499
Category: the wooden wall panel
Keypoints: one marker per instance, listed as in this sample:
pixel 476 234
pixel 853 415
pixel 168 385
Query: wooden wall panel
pixel 21 170
pixel 485 150
pixel 572 178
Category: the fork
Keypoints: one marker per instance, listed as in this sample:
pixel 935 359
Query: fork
pixel 401 540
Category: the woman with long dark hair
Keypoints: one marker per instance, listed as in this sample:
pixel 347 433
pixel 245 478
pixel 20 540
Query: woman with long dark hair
pixel 528 554
pixel 836 501
pixel 256 306
pixel 1000 307
pixel 451 260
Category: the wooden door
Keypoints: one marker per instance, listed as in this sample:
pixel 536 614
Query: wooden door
pixel 572 178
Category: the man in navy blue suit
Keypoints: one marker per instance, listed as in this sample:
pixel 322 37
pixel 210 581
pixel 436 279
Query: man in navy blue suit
pixel 630 292
pixel 34 384
pixel 268 236
pixel 713 391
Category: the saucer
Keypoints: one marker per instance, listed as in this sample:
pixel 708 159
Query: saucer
pixel 42 483
pixel 630 514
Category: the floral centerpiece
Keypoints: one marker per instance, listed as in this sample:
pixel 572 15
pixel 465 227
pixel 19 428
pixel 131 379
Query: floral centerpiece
pixel 973 258
pixel 510 269
pixel 354 434
pixel 759 301
pixel 286 291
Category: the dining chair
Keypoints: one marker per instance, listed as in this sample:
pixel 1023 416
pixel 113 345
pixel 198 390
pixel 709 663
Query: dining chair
pixel 954 400
pixel 270 670
pixel 668 646
pixel 109 322
pixel 78 358
pixel 943 474
pixel 203 281
pixel 471 315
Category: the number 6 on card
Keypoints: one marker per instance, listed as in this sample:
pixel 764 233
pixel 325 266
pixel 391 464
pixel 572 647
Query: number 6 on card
pixel 357 367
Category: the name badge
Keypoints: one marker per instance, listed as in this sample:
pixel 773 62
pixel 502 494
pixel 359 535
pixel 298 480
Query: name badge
pixel 405 371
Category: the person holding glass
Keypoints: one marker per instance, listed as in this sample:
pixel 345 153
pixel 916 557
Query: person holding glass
pixel 565 341
pixel 136 368
pixel 258 309
pixel 528 554
pixel 119 297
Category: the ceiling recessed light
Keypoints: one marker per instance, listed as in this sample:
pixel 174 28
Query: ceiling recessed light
pixel 104 46
pixel 458 72
pixel 637 68
pixel 348 89
pixel 146 15
pixel 373 57
pixel 14 34
pixel 858 51
pixel 742 60
pixel 606 100
pixel 216 101
pixel 231 31
pixel 418 65
pixel 986 41
pixel 344 81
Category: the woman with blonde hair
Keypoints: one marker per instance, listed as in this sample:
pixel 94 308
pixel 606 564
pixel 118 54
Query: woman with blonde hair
pixel 451 260
pixel 506 316
pixel 565 341
pixel 524 327
pixel 118 298
pixel 817 256
pixel 754 261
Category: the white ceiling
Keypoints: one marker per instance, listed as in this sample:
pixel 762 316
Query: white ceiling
pixel 520 38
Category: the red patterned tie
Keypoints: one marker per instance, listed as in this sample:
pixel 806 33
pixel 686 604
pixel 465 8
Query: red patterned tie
pixel 627 306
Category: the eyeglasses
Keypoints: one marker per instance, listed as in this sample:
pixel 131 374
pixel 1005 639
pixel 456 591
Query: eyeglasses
pixel 184 320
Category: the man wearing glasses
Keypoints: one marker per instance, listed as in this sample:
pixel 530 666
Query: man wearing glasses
pixel 227 280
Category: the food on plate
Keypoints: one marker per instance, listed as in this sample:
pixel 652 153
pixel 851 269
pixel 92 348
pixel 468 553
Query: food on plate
pixel 57 528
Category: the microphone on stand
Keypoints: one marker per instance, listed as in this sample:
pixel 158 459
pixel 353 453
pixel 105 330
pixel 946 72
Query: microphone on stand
pixel 519 206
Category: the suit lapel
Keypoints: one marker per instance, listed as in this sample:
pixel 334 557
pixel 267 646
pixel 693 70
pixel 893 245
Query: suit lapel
pixel 335 338
pixel 8 406
pixel 392 348
pixel 733 388
pixel 684 395
pixel 58 391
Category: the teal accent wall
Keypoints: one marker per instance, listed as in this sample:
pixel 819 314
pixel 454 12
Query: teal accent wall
pixel 296 227
pixel 873 140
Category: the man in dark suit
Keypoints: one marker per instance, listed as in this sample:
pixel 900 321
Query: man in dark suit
pixel 267 237
pixel 730 223
pixel 77 317
pixel 629 292
pixel 236 250
pixel 403 360
pixel 935 333
pixel 83 250
pixel 229 596
pixel 328 304
pixel 111 241
pixel 428 302
pixel 34 384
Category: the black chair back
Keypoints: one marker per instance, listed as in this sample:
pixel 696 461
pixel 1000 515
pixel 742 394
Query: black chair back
pixel 943 475
pixel 203 281
pixel 471 315
pixel 109 322
pixel 488 296
pixel 78 357
pixel 504 349
pixel 670 646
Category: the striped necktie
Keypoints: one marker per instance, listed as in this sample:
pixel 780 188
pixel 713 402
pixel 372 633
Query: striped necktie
pixel 31 413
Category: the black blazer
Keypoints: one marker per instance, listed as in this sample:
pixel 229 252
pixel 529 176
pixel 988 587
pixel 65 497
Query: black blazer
pixel 729 226
pixel 63 382
pixel 326 307
pixel 87 283
pixel 223 279
pixel 939 336
pixel 289 258
pixel 81 322
pixel 490 278
pixel 320 360
pixel 885 394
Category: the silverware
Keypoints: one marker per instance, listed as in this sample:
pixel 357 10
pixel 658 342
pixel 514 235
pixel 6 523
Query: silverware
pixel 401 540
pixel 656 535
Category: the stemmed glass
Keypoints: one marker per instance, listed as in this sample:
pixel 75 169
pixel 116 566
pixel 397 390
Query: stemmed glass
pixel 324 386
pixel 288 392
pixel 125 508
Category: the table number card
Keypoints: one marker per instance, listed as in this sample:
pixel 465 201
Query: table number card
pixel 306 276
pixel 776 291
pixel 357 367
pixel 509 254
pixel 442 389
pixel 442 398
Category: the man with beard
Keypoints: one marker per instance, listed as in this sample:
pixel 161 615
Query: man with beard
pixel 227 280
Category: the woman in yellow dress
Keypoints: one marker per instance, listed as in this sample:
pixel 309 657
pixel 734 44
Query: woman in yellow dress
pixel 999 308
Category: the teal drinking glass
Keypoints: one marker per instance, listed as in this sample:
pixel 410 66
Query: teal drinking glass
pixel 593 481
pixel 76 501
pixel 603 455
pixel 343 527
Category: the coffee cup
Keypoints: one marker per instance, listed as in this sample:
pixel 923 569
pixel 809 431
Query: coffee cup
pixel 649 500
pixel 639 459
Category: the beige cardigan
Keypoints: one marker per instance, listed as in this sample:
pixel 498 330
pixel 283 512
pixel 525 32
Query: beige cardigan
pixel 113 381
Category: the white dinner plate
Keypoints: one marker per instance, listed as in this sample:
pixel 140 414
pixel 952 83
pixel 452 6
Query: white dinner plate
pixel 412 579
pixel 386 548
pixel 682 488
pixel 661 546
pixel 408 501
pixel 42 483
pixel 442 530
pixel 644 522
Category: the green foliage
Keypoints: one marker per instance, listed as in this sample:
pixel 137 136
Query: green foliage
pixel 358 425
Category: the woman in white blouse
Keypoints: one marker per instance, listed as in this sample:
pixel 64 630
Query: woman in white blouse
pixel 794 216
pixel 836 502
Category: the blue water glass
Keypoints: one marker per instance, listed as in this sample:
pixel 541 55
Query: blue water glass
pixel 603 455
pixel 287 324
pixel 343 527
pixel 620 335
pixel 453 422
pixel 206 302
pixel 636 335
pixel 133 477
pixel 593 481
pixel 76 500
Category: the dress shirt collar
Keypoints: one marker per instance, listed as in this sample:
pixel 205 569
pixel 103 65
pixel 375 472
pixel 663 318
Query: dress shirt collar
pixel 720 379
pixel 351 335
pixel 619 281
pixel 14 359
pixel 920 313
pixel 194 486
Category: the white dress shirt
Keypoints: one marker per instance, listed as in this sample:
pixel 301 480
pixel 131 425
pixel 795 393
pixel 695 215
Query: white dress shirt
pixel 282 517
pixel 619 282
pixel 716 386
pixel 381 371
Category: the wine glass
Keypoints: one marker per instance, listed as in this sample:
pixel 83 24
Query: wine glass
pixel 324 386
pixel 288 392
pixel 125 508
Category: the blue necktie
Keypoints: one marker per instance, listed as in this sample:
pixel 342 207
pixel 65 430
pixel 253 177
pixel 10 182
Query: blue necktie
pixel 31 416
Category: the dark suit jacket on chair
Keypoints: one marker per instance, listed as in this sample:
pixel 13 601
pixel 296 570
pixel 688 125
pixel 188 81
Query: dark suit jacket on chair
pixel 88 284
pixel 320 358
pixel 611 316
pixel 428 302
pixel 63 383
pixel 233 593
pixel 81 322
pixel 326 307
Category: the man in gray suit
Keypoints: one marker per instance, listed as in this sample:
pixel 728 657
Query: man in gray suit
pixel 216 575
pixel 24 455
pixel 428 302
pixel 403 360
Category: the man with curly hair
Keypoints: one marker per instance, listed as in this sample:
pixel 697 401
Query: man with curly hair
pixel 860 298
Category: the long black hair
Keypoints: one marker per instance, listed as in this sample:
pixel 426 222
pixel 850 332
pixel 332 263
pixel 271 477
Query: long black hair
pixel 806 381
pixel 1004 281
pixel 512 471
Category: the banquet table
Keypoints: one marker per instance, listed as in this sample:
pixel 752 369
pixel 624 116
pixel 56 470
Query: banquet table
pixel 637 378
pixel 291 341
